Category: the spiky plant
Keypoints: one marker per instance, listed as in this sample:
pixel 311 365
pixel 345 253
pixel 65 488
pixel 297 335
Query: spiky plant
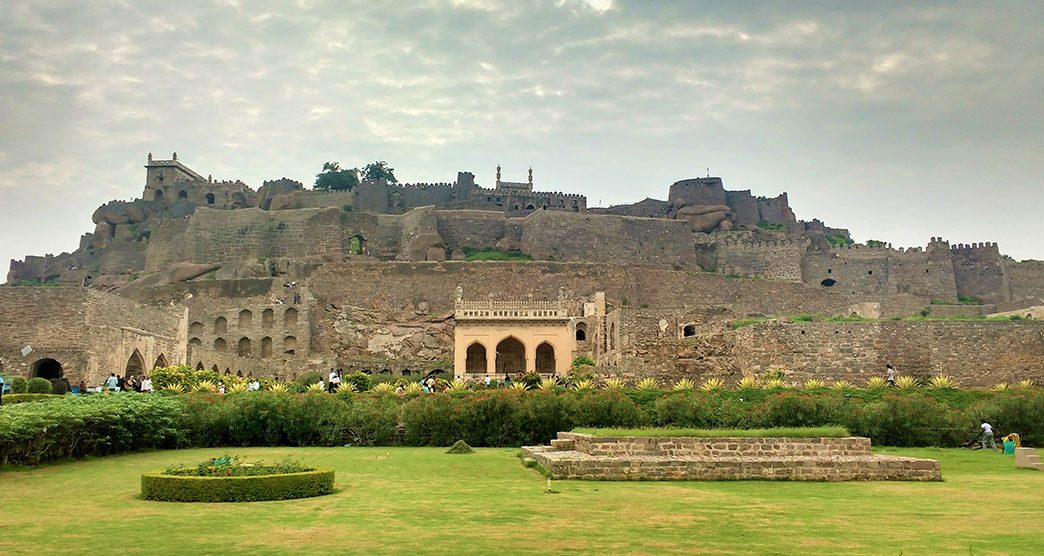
pixel 582 385
pixel 906 381
pixel 236 387
pixel 647 383
pixel 548 384
pixel 843 385
pixel 314 388
pixel 1025 383
pixel 175 387
pixel 876 382
pixel 279 387
pixel 712 384
pixel 942 382
pixel 1000 387
pixel 206 386
pixel 458 385
pixel 774 383
pixel 747 382
pixel 614 384
pixel 684 384
pixel 383 388
pixel 347 387
pixel 814 384
pixel 518 385
pixel 412 389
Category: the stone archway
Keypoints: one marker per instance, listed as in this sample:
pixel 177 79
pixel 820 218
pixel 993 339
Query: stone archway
pixel 476 359
pixel 511 356
pixel 135 365
pixel 581 332
pixel 47 368
pixel 545 358
pixel 161 361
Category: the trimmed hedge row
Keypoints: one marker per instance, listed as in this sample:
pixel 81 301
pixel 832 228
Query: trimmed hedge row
pixel 181 488
pixel 12 399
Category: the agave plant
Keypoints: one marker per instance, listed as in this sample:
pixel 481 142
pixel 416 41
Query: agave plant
pixel 458 385
pixel 876 382
pixel 278 387
pixel 175 387
pixel 647 383
pixel 236 387
pixel 316 387
pixel 712 384
pixel 942 382
pixel 412 389
pixel 383 388
pixel 614 384
pixel 548 384
pixel 1025 383
pixel 206 386
pixel 906 381
pixel 774 383
pixel 684 384
pixel 1000 387
pixel 347 387
pixel 843 385
pixel 582 385
pixel 814 384
pixel 518 385
pixel 748 382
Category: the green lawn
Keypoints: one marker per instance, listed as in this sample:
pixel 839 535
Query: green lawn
pixel 421 500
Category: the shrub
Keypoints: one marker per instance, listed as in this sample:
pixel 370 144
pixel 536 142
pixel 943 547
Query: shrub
pixel 843 385
pixel 906 381
pixel 383 388
pixel 11 399
pixel 582 385
pixel 814 384
pixel 39 386
pixel 60 386
pixel 684 384
pixel 614 384
pixel 548 384
pixel 774 383
pixel 175 488
pixel 309 378
pixel 647 383
pixel 712 384
pixel 19 385
pixel 748 382
pixel 876 382
pixel 942 382
pixel 362 381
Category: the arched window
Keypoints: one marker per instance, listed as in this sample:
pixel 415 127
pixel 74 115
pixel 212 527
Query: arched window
pixel 581 332
pixel 545 358
pixel 135 365
pixel 243 349
pixel 182 194
pixel 689 330
pixel 196 328
pixel 210 198
pixel 246 319
pixel 290 317
pixel 266 347
pixel 220 344
pixel 47 368
pixel 195 343
pixel 290 345
pixel 199 366
pixel 158 195
pixel 161 361
pixel 612 336
pixel 511 356
pixel 220 325
pixel 530 207
pixel 476 359
pixel 267 317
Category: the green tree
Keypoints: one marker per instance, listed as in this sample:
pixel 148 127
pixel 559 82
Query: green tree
pixel 378 170
pixel 333 178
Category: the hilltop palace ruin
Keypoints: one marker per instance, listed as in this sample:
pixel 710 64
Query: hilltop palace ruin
pixel 282 280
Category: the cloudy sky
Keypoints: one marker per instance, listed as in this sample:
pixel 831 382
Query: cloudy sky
pixel 898 122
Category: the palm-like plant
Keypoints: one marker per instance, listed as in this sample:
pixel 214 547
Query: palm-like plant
pixel 876 382
pixel 1025 383
pixel 412 389
pixel 315 388
pixel 843 385
pixel 647 383
pixel 684 384
pixel 906 381
pixel 712 384
pixel 1000 387
pixel 383 388
pixel 747 382
pixel 614 384
pixel 175 387
pixel 206 386
pixel 236 387
pixel 942 382
pixel 774 383
pixel 814 384
pixel 548 384
pixel 583 385
pixel 347 387
pixel 458 385
pixel 279 387
pixel 518 385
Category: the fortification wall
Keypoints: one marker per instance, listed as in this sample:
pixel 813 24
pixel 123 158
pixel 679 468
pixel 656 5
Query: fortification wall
pixel 250 336
pixel 563 236
pixel 776 260
pixel 697 191
pixel 117 327
pixel 977 353
pixel 858 269
pixel 744 206
pixel 312 199
pixel 1026 279
pixel 470 228
pixel 980 273
pixel 120 257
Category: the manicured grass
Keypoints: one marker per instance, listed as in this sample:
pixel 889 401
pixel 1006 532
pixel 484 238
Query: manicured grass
pixel 421 500
pixel 778 432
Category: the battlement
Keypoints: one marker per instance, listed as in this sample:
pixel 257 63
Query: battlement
pixel 981 247
pixel 771 244
pixel 424 185
pixel 513 310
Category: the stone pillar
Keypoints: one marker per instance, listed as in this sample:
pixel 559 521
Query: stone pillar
pixel 531 357
pixel 491 361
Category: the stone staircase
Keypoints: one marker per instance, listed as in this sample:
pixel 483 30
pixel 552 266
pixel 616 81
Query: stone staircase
pixel 582 456
pixel 1024 457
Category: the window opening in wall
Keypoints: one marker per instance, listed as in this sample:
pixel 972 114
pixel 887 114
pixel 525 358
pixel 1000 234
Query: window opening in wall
pixel 828 282
pixel 220 325
pixel 530 207
pixel 290 317
pixel 246 319
pixel 196 328
pixel 830 271
pixel 475 361
pixel 195 342
pixel 182 194
pixel 159 193
pixel 689 330
pixel 210 198
pixel 220 344
pixel 581 332
pixel 266 347
pixel 267 318
pixel 243 349
pixel 869 273
pixel 289 345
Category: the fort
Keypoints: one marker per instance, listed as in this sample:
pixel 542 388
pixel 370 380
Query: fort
pixel 283 279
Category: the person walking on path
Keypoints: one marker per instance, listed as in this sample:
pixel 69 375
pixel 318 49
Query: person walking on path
pixel 890 375
pixel 987 436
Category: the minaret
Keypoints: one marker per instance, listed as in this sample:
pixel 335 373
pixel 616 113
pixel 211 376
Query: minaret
pixel 530 175
pixel 498 175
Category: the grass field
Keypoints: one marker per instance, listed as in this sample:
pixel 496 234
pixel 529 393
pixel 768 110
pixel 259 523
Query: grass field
pixel 420 500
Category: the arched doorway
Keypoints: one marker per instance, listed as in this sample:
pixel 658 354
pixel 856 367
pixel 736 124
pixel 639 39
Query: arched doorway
pixel 182 194
pixel 476 359
pixel 581 332
pixel 511 356
pixel 47 368
pixel 161 361
pixel 135 365
pixel 199 366
pixel 545 358
pixel 210 198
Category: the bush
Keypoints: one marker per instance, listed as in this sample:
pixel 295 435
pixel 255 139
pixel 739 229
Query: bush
pixel 19 385
pixel 11 399
pixel 362 381
pixel 39 386
pixel 176 488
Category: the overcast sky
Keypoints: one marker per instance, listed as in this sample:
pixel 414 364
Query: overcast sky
pixel 897 122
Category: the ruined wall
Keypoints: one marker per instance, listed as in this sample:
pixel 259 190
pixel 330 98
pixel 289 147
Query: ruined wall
pixel 1026 279
pixel 858 269
pixel 605 238
pixel 977 353
pixel 697 191
pixel 776 260
pixel 744 206
pixel 470 228
pixel 980 273
pixel 117 327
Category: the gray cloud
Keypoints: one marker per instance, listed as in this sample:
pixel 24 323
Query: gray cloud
pixel 899 122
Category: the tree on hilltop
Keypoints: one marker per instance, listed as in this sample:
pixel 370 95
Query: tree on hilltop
pixel 378 170
pixel 333 178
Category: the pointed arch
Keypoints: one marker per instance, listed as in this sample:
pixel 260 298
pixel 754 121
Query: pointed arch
pixel 475 361
pixel 581 332
pixel 135 365
pixel 220 344
pixel 210 198
pixel 199 366
pixel 545 358
pixel 161 361
pixel 511 355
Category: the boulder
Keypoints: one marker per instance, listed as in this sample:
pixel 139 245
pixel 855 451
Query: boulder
pixel 178 272
pixel 705 222
pixel 508 244
pixel 136 213
pixel 458 255
pixel 695 210
pixel 109 282
pixel 435 254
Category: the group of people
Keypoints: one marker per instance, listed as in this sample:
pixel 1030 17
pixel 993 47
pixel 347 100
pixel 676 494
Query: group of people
pixel 292 293
pixel 132 383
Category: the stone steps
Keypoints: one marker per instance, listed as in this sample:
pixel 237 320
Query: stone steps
pixel 1027 458
pixel 563 444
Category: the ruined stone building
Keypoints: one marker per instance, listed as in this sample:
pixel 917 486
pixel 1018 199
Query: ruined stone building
pixel 283 279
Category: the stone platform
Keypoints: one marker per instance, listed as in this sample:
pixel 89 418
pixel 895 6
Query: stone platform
pixel 667 458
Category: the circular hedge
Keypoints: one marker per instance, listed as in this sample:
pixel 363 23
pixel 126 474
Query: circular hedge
pixel 185 488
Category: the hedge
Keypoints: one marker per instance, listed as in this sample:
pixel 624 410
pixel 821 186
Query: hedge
pixel 11 399
pixel 181 488
pixel 39 386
